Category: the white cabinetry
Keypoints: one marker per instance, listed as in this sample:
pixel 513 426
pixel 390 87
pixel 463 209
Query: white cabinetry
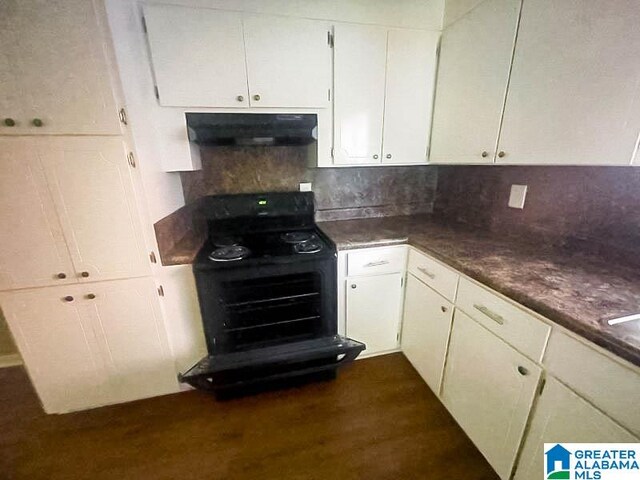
pixel 489 388
pixel 212 58
pixel 573 95
pixel 475 58
pixel 383 81
pixel 55 74
pixel 426 325
pixel 69 208
pixel 371 288
pixel 89 345
pixel 562 416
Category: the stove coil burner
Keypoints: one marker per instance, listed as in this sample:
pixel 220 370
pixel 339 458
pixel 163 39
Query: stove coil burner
pixel 310 246
pixel 297 237
pixel 229 254
pixel 220 242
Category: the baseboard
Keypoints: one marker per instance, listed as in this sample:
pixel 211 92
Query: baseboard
pixel 11 360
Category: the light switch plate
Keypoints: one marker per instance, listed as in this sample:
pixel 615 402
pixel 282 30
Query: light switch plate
pixel 305 187
pixel 518 196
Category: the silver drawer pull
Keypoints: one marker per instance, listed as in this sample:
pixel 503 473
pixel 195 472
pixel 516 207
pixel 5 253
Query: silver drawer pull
pixel 492 315
pixel 376 264
pixel 427 273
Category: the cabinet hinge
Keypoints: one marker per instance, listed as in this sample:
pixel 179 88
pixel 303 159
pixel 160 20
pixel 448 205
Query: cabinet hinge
pixel 542 384
pixel 152 257
pixel 330 38
pixel 331 152
pixel 156 92
pixel 402 282
pixel 131 160
pixel 144 24
pixel 161 291
pixel 398 337
pixel 329 94
pixel 122 114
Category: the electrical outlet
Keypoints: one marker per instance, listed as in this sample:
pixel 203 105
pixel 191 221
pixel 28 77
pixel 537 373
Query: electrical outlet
pixel 518 196
pixel 305 187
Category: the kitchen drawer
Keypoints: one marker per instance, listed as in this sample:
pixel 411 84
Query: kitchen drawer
pixel 515 326
pixel 611 386
pixel 377 261
pixel 442 279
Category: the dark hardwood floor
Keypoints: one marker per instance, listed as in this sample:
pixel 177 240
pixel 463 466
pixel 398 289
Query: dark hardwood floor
pixel 378 420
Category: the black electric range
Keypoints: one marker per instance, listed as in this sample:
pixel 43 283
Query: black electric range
pixel 266 281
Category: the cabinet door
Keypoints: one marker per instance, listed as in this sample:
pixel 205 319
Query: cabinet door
pixel 475 57
pixel 288 62
pixel 33 251
pixel 57 345
pixel 11 107
pixel 93 193
pixel 359 79
pixel 562 416
pixel 574 96
pixel 132 338
pixel 373 311
pixel 488 387
pixel 411 68
pixel 59 56
pixel 425 330
pixel 198 56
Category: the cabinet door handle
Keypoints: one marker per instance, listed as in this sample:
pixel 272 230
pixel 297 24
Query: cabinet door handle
pixel 353 285
pixel 61 275
pixel 492 315
pixel 377 263
pixel 68 298
pixel 256 98
pixel 91 296
pixel 376 156
pixel 444 309
pixel 522 371
pixel 9 122
pixel 84 274
pixel 427 273
pixel 501 154
pixel 240 98
pixel 37 122
pixel 485 154
pixel 388 155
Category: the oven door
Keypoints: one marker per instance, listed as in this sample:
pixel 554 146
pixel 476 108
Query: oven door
pixel 221 373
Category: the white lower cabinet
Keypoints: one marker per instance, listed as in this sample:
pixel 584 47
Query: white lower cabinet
pixel 91 345
pixel 373 309
pixel 489 388
pixel 562 416
pixel 426 325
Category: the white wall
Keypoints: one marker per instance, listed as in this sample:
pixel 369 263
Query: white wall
pixel 455 9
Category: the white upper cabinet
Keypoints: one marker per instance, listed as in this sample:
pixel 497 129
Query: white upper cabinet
pixel 198 56
pixel 59 53
pixel 93 194
pixel 475 57
pixel 383 82
pixel 561 415
pixel 359 82
pixel 574 95
pixel 411 68
pixel 213 58
pixel 29 220
pixel 288 62
pixel 489 388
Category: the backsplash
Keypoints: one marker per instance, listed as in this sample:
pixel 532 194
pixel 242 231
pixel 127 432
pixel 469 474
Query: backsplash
pixel 340 192
pixel 569 205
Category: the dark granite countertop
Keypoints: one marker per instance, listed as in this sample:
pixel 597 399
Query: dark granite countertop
pixel 573 289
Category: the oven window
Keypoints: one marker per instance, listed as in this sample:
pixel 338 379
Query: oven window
pixel 264 311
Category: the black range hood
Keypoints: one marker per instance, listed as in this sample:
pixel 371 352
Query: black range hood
pixel 251 129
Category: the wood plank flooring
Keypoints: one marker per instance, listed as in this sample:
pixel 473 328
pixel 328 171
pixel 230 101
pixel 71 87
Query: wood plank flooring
pixel 378 420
